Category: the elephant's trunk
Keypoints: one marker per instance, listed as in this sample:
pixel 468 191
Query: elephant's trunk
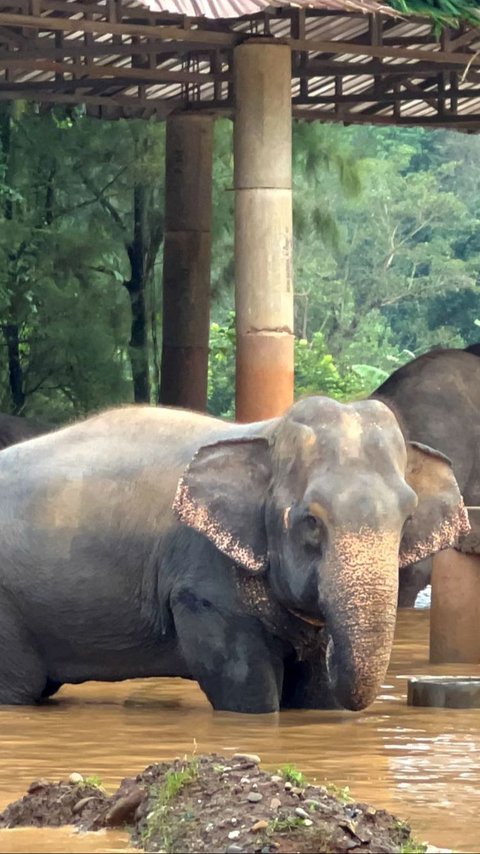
pixel 361 612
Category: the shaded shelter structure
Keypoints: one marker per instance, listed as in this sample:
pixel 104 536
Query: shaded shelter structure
pixel 259 63
pixel 187 61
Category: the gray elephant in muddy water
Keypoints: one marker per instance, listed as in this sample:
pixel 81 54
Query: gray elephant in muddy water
pixel 437 398
pixel 260 560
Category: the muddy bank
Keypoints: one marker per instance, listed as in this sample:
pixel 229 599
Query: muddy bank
pixel 216 804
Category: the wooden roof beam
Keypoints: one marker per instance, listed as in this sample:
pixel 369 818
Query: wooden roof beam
pixel 135 75
pixel 470 123
pixel 211 38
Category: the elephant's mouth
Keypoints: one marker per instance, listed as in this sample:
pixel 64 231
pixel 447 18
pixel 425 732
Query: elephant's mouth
pixel 307 618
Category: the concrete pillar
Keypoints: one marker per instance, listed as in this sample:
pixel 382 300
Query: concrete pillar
pixel 263 229
pixel 186 260
pixel 455 608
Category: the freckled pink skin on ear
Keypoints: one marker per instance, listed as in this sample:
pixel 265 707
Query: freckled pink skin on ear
pixel 446 536
pixel 198 517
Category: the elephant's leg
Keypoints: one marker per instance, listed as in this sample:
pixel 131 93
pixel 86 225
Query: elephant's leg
pixel 305 685
pixel 229 655
pixel 23 675
pixel 413 579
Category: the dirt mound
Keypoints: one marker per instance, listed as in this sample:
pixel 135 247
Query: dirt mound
pixel 55 804
pixel 215 804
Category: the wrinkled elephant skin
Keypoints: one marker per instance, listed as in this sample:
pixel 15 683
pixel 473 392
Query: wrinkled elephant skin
pixel 437 399
pixel 260 560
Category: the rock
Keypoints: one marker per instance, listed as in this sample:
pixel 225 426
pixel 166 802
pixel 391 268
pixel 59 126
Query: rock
pixel 353 812
pixel 247 757
pixel 275 804
pixel 350 843
pixel 209 828
pixel 448 692
pixel 370 811
pixel 233 820
pixel 234 834
pixel 288 786
pixel 301 813
pixel 78 807
pixel 124 809
pixel 297 791
pixel 276 779
pixel 75 778
pixel 234 849
pixel 245 780
pixel 36 785
pixel 352 826
pixel 254 797
pixel 308 822
pixel 432 849
pixel 259 825
pixel 311 802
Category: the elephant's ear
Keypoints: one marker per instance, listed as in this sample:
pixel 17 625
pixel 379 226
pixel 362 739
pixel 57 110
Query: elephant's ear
pixel 440 518
pixel 222 495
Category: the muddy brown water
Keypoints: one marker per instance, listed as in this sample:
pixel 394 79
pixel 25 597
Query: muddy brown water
pixel 422 764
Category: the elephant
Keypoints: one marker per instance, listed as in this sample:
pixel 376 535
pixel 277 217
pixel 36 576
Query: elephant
pixel 437 399
pixel 260 560
pixel 14 428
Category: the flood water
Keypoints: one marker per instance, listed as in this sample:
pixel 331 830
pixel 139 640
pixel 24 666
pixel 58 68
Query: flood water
pixel 422 764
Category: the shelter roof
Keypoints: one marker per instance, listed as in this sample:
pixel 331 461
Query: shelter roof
pixel 239 8
pixel 120 58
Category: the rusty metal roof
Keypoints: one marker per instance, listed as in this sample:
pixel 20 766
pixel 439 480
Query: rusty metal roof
pixel 121 59
pixel 239 8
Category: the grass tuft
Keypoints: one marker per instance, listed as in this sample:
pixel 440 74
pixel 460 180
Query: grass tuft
pixel 292 775
pixel 412 846
pixel 341 793
pixel 159 820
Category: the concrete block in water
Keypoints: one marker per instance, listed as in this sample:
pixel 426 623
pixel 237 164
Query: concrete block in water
pixel 448 692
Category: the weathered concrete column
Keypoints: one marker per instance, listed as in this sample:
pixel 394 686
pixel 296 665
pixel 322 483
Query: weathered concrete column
pixel 455 608
pixel 263 229
pixel 186 260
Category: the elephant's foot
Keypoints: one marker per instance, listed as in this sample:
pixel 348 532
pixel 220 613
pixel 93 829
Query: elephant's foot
pixel 229 656
pixel 22 671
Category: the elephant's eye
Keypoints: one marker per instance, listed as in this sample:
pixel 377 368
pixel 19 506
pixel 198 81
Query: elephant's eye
pixel 314 532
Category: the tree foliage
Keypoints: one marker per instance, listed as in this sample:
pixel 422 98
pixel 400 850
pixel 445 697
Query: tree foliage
pixel 386 250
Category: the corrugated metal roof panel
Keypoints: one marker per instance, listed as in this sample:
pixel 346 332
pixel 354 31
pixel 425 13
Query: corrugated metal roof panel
pixel 339 71
pixel 238 8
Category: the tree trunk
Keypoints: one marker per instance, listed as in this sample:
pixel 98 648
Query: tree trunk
pixel 15 371
pixel 11 330
pixel 136 287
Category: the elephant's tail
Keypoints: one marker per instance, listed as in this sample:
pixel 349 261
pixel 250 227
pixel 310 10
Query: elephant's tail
pixel 473 348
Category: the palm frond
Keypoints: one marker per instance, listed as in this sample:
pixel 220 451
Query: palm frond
pixel 443 12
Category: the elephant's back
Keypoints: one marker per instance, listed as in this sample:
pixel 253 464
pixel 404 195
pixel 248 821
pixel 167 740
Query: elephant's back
pixel 440 375
pixel 114 474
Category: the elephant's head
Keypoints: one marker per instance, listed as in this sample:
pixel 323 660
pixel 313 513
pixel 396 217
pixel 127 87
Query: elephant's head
pixel 328 505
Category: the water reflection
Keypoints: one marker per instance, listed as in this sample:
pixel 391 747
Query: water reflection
pixel 420 763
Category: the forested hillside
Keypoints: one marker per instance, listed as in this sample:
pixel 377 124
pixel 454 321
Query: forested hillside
pixel 387 257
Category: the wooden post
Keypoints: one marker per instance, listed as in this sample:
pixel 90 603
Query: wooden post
pixel 186 261
pixel 455 608
pixel 263 229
